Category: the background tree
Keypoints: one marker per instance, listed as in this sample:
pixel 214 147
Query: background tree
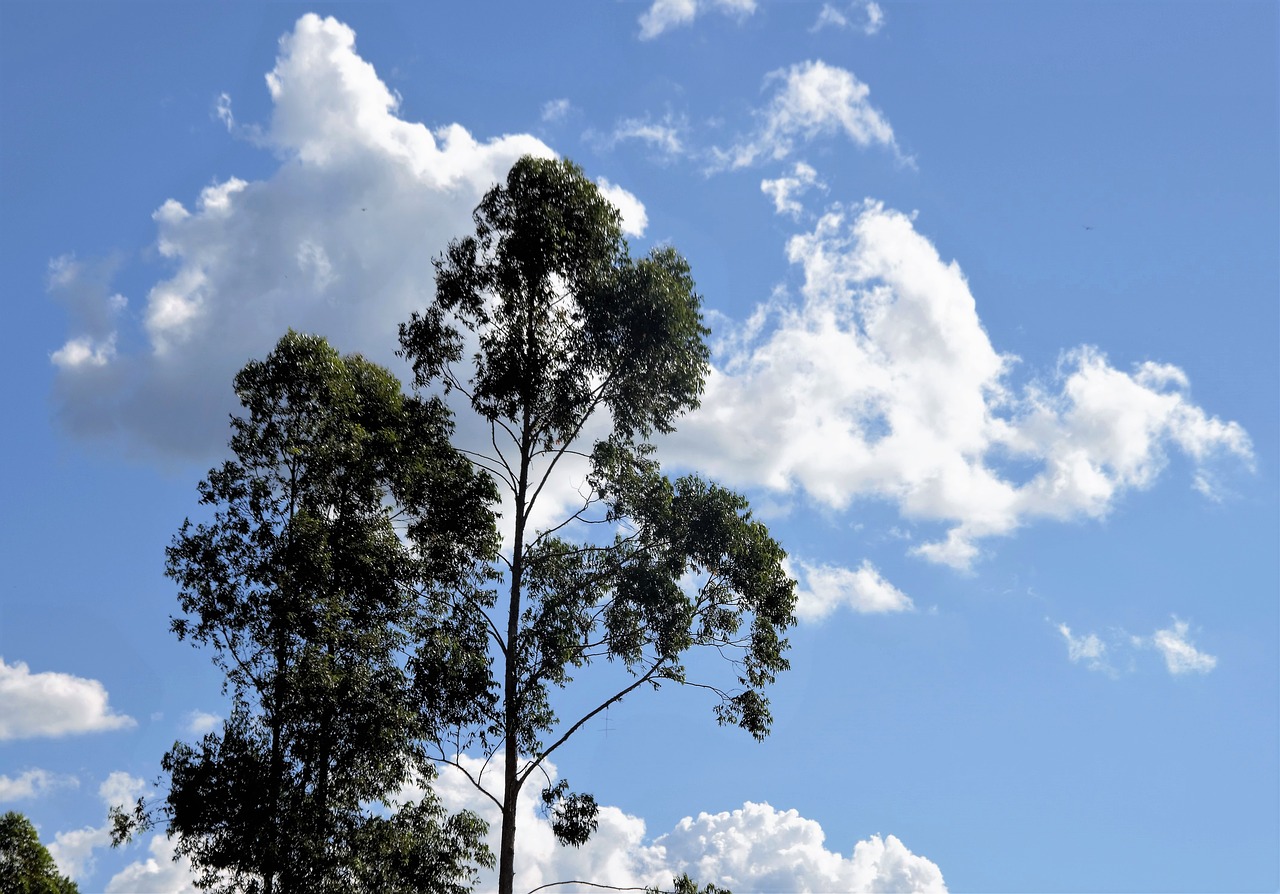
pixel 308 595
pixel 26 867
pixel 568 335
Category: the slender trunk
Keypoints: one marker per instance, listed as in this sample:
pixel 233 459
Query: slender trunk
pixel 510 703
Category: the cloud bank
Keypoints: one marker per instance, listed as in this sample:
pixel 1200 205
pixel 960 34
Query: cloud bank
pixel 880 382
pixel 338 240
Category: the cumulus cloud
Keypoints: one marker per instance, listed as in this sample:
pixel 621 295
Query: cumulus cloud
pixel 200 722
pixel 785 191
pixel 634 218
pixel 824 588
pixel 159 873
pixel 811 100
pixel 880 382
pixel 32 784
pixel 52 704
pixel 73 851
pixel 1180 656
pixel 339 239
pixel 755 848
pixel 866 17
pixel 663 15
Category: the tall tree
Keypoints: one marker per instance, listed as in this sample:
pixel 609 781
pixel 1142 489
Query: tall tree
pixel 309 596
pixel 26 866
pixel 567 335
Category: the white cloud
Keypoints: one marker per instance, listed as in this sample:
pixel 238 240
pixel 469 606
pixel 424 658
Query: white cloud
pixel 200 722
pixel 338 240
pixel 32 784
pixel 824 588
pixel 555 110
pixel 1089 648
pixel 52 704
pixel 759 848
pixel 664 135
pixel 157 874
pixel 1173 644
pixel 785 190
pixel 870 13
pixel 121 789
pixel 1180 656
pixel 880 382
pixel 73 851
pixel 813 100
pixel 634 218
pixel 663 15
pixel 755 848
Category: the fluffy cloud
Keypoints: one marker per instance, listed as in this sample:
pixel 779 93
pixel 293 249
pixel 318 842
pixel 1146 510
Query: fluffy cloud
pixel 52 704
pixel 1180 656
pixel 824 588
pixel 811 99
pixel 200 722
pixel 785 190
pixel 338 240
pixel 73 851
pixel 881 382
pixel 158 874
pixel 32 784
pixel 755 848
pixel 759 848
pixel 634 218
pixel 663 15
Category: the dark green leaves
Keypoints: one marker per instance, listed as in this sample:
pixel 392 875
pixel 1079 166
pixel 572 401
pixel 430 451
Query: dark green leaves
pixel 310 597
pixel 25 864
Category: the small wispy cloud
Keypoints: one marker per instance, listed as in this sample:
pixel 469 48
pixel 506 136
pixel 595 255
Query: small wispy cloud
pixel 867 17
pixel 786 190
pixel 1173 643
pixel 1180 656
pixel 664 135
pixel 555 110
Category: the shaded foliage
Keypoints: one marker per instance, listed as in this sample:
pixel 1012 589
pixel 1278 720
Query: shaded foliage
pixel 26 867
pixel 309 597
pixel 571 348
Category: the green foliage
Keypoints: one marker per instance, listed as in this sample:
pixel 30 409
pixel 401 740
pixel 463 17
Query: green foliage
pixel 685 885
pixel 25 864
pixel 567 334
pixel 309 598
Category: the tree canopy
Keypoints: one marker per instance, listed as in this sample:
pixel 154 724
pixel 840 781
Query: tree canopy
pixel 567 347
pixel 26 867
pixel 305 589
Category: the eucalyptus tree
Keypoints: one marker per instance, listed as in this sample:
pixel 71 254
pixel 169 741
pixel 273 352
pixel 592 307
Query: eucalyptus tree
pixel 565 346
pixel 306 588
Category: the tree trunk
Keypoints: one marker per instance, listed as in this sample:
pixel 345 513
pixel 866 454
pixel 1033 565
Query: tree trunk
pixel 510 704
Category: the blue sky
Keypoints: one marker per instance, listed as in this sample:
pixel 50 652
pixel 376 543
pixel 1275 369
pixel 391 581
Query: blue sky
pixel 993 290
